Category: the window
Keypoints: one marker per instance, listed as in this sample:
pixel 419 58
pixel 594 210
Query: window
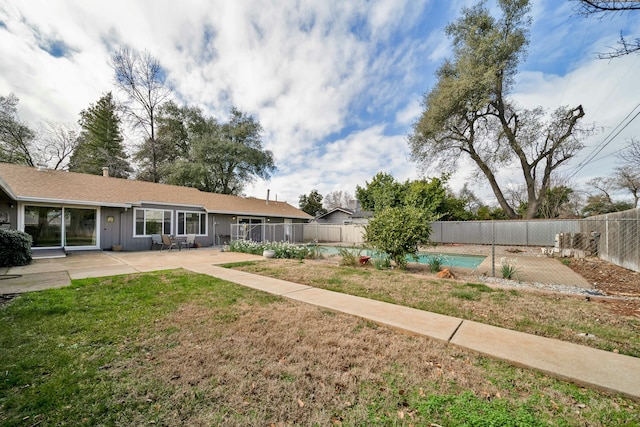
pixel 192 223
pixel 152 221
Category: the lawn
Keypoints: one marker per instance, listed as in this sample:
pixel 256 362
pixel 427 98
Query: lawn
pixel 177 348
pixel 553 315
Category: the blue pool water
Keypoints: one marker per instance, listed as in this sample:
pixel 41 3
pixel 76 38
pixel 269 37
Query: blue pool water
pixel 448 260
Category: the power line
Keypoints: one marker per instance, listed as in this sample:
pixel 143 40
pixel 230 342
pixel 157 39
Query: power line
pixel 601 146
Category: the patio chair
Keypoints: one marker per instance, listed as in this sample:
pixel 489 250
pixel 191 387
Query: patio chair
pixel 156 240
pixel 191 241
pixel 169 243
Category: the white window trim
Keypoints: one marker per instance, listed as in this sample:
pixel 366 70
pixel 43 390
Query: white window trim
pixel 135 210
pixel 206 222
pixel 20 224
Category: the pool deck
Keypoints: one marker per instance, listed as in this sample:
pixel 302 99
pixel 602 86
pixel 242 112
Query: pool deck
pixel 531 265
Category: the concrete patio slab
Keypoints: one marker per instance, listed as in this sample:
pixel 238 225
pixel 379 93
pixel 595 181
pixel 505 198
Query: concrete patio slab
pixel 34 282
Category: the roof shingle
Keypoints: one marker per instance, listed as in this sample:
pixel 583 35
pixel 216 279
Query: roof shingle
pixel 31 184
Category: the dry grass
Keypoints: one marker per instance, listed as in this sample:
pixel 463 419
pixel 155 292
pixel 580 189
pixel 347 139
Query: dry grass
pixel 552 315
pixel 293 364
pixel 178 348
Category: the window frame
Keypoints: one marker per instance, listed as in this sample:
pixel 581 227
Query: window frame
pixel 144 221
pixel 203 219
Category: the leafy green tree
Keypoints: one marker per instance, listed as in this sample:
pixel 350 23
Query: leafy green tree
pixel 312 203
pixel 16 138
pixel 216 157
pixel 469 113
pixel 398 232
pixel 100 144
pixel 140 76
pixel 489 213
pixel 555 202
pixel 600 204
pixel 383 191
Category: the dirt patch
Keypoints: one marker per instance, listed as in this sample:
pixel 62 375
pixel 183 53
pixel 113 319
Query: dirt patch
pixel 613 280
pixel 606 277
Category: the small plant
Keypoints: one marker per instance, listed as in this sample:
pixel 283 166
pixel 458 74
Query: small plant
pixel 381 261
pixel 435 263
pixel 349 256
pixel 566 261
pixel 508 267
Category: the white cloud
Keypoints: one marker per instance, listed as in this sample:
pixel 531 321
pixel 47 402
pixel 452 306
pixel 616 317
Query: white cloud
pixel 334 84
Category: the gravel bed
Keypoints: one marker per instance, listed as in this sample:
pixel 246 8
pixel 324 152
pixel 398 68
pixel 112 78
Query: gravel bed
pixel 565 289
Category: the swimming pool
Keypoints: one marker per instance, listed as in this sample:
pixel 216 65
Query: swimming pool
pixel 447 260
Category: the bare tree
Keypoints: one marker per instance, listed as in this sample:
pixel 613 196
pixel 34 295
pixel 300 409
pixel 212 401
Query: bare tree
pixel 601 8
pixel 55 144
pixel 628 178
pixel 631 154
pixel 140 76
pixel 16 138
pixel 337 199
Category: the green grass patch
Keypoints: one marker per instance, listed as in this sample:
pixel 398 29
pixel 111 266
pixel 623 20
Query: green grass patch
pixel 57 346
pixel 239 264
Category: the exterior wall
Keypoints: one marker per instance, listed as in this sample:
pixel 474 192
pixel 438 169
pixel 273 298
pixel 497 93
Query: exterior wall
pixel 8 212
pixel 337 217
pixel 112 233
pixel 143 243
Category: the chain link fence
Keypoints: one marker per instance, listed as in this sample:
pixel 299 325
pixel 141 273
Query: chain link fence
pixel 613 237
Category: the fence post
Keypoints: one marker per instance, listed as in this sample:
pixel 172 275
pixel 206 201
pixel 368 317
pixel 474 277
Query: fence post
pixel 493 248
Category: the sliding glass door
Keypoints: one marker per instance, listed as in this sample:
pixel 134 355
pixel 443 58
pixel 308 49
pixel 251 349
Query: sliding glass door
pixel 44 224
pixel 61 226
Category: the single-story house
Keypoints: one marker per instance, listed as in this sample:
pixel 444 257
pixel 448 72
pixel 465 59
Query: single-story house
pixel 76 211
pixel 344 216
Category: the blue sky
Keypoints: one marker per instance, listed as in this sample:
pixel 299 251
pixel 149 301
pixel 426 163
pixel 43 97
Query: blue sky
pixel 335 84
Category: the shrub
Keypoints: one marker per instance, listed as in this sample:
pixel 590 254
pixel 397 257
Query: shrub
pixel 508 268
pixel 398 232
pixel 15 248
pixel 281 249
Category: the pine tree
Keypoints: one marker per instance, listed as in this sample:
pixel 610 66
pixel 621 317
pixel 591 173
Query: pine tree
pixel 100 141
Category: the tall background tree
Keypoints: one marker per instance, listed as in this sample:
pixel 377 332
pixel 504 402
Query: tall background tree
pixel 51 146
pixel 101 143
pixel 600 8
pixel 16 138
pixel 198 151
pixel 337 199
pixel 429 195
pixel 469 113
pixel 141 78
pixel 312 203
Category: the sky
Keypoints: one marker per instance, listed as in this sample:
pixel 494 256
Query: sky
pixel 336 85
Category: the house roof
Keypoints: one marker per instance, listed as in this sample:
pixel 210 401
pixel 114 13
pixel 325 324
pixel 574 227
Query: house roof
pixel 28 184
pixel 347 211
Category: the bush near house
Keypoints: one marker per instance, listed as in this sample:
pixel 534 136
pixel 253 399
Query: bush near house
pixel 15 248
pixel 281 249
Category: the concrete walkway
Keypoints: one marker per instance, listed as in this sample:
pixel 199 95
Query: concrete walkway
pixel 575 363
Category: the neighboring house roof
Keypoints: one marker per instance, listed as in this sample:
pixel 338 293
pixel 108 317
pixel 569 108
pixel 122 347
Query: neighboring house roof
pixel 28 184
pixel 332 211
pixel 362 214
